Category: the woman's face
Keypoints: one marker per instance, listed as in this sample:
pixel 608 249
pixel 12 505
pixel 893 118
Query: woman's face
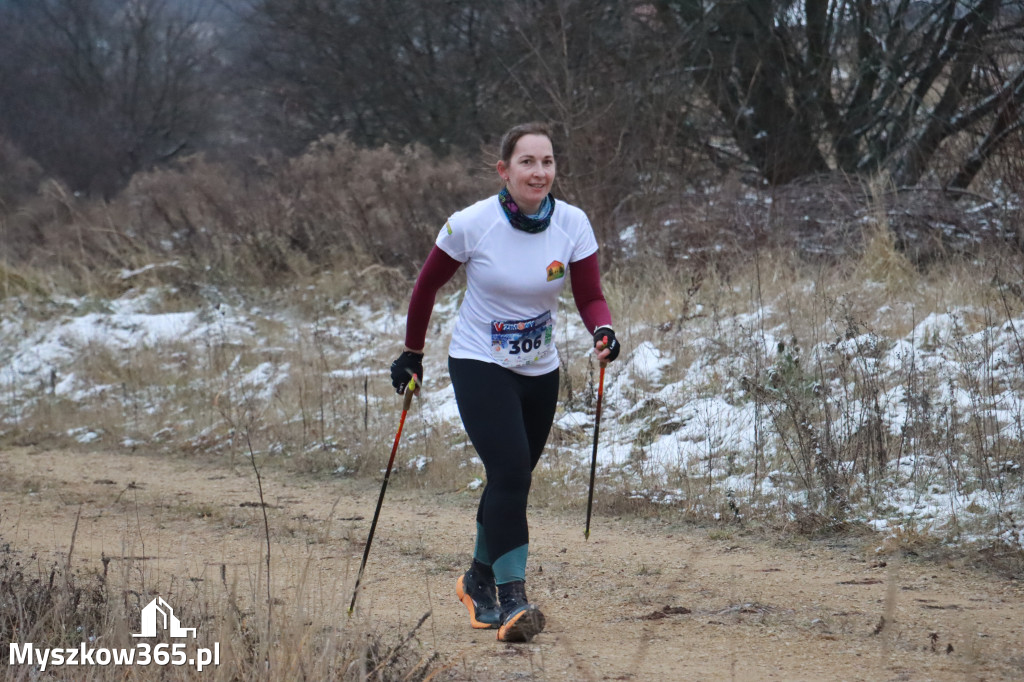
pixel 530 171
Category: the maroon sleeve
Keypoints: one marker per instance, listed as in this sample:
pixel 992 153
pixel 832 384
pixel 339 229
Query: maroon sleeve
pixel 436 272
pixel 586 291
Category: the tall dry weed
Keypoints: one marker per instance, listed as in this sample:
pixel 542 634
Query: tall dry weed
pixel 51 605
pixel 337 206
pixel 880 259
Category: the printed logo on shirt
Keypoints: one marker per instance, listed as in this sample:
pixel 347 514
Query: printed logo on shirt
pixel 555 271
pixel 510 326
pixel 448 226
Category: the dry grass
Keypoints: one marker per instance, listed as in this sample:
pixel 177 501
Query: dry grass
pixel 372 213
pixel 52 605
pixel 801 339
pixel 782 302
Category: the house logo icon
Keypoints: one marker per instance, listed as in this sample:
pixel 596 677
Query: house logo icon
pixel 159 613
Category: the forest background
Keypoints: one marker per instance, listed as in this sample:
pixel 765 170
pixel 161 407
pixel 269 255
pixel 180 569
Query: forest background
pixel 809 215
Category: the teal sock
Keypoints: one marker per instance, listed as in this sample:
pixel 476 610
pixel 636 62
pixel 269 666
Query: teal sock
pixel 480 550
pixel 511 566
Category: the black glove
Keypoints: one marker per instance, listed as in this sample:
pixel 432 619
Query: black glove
pixel 402 369
pixel 611 344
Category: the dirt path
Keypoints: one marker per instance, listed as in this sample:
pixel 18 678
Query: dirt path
pixel 642 600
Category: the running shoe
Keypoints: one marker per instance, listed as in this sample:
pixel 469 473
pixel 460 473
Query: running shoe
pixel 521 621
pixel 479 597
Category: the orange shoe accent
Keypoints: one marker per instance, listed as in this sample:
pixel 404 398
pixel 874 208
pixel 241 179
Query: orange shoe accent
pixel 522 626
pixel 460 592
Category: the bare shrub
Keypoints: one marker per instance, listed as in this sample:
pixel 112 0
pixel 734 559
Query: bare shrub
pixel 48 602
pixel 29 203
pixel 382 206
pixel 1003 183
pixel 828 219
pixel 19 178
pixel 53 606
pixel 336 206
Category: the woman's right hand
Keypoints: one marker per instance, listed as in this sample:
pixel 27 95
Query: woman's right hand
pixel 404 367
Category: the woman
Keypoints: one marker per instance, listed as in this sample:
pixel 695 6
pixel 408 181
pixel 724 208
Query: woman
pixel 502 359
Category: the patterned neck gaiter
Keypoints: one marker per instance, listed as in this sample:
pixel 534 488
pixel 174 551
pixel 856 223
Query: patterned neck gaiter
pixel 520 220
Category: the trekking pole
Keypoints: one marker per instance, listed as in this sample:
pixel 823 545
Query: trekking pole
pixel 409 390
pixel 593 457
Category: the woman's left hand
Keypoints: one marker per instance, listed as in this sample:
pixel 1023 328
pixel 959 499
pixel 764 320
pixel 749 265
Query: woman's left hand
pixel 605 344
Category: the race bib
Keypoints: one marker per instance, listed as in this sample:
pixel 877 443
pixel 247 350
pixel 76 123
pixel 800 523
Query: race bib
pixel 515 343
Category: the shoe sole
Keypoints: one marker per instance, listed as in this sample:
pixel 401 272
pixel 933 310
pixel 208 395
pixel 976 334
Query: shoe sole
pixel 522 626
pixel 460 592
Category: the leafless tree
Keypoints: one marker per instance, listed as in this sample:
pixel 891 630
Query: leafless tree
pixel 382 71
pixel 95 90
pixel 644 94
pixel 455 73
pixel 616 89
pixel 901 86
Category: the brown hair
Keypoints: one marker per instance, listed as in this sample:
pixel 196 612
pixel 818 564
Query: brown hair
pixel 512 135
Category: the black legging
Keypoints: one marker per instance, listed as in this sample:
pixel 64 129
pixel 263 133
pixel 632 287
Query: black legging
pixel 507 417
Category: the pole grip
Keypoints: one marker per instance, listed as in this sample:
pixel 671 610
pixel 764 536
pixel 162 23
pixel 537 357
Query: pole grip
pixel 409 390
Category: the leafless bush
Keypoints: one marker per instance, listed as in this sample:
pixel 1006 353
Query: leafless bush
pixel 48 602
pixel 53 606
pixel 337 206
pixel 19 178
pixel 828 219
